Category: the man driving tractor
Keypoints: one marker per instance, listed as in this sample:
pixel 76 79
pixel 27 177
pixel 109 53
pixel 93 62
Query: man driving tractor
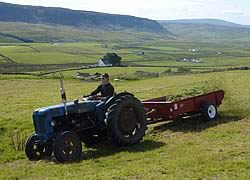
pixel 106 91
pixel 105 88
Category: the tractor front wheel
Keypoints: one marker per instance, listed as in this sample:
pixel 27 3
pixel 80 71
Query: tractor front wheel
pixel 35 150
pixel 67 147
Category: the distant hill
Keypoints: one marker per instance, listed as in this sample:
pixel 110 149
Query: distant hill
pixel 216 22
pixel 75 18
pixel 27 32
pixel 207 30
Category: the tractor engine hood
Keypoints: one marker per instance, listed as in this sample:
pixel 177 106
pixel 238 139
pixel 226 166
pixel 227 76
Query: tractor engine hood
pixel 43 117
pixel 58 110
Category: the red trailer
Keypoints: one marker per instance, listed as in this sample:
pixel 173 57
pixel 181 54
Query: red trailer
pixel 159 109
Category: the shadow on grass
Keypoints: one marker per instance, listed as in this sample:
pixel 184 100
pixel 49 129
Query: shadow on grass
pixel 194 124
pixel 108 149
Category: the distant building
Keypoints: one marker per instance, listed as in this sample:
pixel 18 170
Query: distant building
pixel 140 53
pixel 193 50
pixel 146 74
pixel 196 61
pixel 83 74
pixel 188 60
pixel 104 63
pixel 92 66
pixel 105 45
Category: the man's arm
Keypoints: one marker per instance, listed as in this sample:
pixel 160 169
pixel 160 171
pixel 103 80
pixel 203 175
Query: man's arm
pixel 95 92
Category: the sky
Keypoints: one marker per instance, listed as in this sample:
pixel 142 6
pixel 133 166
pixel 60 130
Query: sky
pixel 237 11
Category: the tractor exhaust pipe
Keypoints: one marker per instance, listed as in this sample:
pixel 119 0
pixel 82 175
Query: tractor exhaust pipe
pixel 63 95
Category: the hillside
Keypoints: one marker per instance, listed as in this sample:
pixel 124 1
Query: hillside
pixel 207 30
pixel 78 19
pixel 27 32
pixel 216 22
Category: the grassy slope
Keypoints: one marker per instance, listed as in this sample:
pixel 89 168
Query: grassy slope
pixel 181 149
pixel 45 33
pixel 212 33
pixel 217 22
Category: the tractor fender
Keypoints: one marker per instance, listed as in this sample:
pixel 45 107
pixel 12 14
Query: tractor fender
pixel 113 98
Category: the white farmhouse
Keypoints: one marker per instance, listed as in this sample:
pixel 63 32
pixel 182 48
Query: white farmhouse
pixel 104 63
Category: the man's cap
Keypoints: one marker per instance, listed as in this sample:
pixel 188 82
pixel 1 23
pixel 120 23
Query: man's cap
pixel 105 75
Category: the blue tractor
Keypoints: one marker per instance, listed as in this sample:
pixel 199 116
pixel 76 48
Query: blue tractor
pixel 61 129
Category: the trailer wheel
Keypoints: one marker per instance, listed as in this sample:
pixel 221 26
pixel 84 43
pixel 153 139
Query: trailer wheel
pixel 34 150
pixel 126 120
pixel 67 147
pixel 209 111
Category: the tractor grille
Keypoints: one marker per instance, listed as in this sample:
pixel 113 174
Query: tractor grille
pixel 39 125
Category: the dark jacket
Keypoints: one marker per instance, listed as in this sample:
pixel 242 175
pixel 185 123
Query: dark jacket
pixel 106 90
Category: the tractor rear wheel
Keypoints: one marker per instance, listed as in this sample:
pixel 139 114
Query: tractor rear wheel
pixel 35 150
pixel 209 111
pixel 126 120
pixel 67 147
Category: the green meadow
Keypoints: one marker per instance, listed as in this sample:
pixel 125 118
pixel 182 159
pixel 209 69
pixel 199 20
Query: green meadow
pixel 158 56
pixel 187 148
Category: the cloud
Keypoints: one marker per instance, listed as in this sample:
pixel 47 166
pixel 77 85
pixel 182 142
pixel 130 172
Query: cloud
pixel 235 13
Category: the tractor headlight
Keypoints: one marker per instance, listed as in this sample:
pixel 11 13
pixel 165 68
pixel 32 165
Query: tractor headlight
pixel 53 123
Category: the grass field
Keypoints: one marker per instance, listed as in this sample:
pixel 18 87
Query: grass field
pixel 38 57
pixel 187 148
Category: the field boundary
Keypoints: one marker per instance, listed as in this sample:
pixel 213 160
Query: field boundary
pixel 7 59
pixel 244 68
